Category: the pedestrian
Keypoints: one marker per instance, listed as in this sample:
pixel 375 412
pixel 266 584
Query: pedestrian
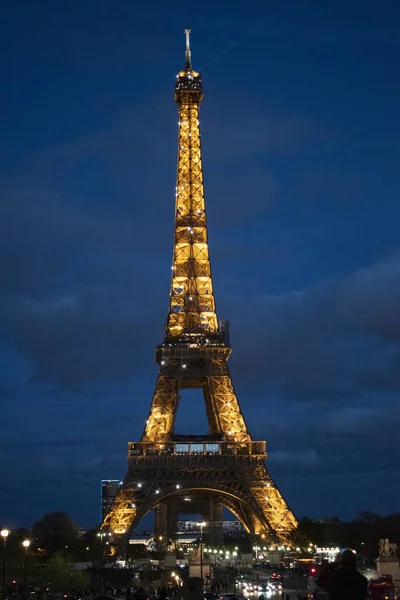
pixel 341 579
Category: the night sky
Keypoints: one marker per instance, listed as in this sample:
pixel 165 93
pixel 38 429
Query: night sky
pixel 300 129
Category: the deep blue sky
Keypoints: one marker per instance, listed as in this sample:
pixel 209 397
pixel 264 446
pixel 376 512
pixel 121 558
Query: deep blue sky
pixel 300 128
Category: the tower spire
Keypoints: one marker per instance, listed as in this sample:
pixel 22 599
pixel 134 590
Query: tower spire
pixel 192 306
pixel 188 53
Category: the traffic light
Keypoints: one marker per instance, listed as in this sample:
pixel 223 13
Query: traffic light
pixel 313 571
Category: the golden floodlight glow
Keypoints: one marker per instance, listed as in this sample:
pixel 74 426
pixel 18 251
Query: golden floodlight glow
pixel 194 355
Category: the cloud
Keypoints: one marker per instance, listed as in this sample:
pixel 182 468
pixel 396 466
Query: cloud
pixel 332 342
pixel 74 299
pixel 259 132
pixel 369 300
pixel 85 239
pixel 54 443
pixel 78 302
pixel 287 459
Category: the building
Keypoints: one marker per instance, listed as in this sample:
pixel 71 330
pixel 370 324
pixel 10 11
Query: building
pixel 232 526
pixel 109 489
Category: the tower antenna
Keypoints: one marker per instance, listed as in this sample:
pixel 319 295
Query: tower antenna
pixel 188 54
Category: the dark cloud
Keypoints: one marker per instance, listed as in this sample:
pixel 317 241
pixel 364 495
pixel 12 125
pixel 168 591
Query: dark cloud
pixel 29 444
pixel 334 341
pixel 300 194
pixel 74 298
pixel 369 300
pixel 281 459
pixel 6 393
pixel 81 322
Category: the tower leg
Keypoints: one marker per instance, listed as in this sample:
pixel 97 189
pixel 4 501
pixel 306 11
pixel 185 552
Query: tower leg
pixel 215 519
pixel 160 523
pixel 172 522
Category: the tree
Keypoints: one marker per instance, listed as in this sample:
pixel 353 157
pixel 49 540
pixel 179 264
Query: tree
pixel 366 517
pixel 61 575
pixel 55 531
pixel 298 539
pixel 80 580
pixel 312 530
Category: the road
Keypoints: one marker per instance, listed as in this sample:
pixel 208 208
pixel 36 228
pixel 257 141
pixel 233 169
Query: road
pixel 293 585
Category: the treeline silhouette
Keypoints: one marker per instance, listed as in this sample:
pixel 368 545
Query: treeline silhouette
pixel 361 534
pixel 56 532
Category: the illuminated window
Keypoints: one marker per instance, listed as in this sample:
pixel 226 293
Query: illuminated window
pixel 197 447
pixel 182 448
pixel 212 448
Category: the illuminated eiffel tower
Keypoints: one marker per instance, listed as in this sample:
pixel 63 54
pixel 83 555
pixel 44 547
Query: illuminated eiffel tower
pixel 226 467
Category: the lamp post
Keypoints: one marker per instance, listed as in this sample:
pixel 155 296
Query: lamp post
pixel 42 572
pixel 102 535
pixel 202 524
pixel 4 534
pixel 26 544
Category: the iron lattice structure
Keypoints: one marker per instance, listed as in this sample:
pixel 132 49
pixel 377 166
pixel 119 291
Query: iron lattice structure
pixel 226 463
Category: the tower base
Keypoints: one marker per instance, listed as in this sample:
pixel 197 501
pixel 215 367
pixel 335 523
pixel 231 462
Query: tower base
pixel 167 477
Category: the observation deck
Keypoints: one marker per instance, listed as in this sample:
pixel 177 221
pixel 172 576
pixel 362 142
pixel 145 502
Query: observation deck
pixel 193 350
pixel 196 453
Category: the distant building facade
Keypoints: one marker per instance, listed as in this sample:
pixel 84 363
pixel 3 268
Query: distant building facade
pixel 109 489
pixel 227 526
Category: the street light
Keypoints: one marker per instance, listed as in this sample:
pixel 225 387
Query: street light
pixel 26 544
pixel 101 535
pixel 202 524
pixel 4 534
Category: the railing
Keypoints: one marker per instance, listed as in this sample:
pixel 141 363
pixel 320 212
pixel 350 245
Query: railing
pixel 193 351
pixel 196 448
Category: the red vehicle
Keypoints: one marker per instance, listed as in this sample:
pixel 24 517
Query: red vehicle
pixel 382 588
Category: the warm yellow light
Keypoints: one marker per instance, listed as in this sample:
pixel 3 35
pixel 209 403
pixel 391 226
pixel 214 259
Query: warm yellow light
pixel 5 533
pixel 26 543
pixel 192 311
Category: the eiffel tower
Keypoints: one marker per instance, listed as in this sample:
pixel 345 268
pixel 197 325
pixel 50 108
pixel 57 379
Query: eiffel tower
pixel 168 473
